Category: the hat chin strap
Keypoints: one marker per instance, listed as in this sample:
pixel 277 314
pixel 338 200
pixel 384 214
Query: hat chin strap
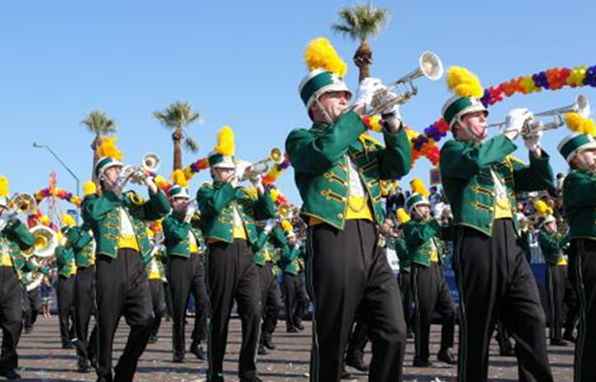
pixel 323 111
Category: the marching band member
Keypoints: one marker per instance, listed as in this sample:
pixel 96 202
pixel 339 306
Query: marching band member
pixel 156 275
pixel 405 268
pixel 117 220
pixel 429 287
pixel 229 213
pixel 579 199
pixel 552 243
pixel 14 238
pixel 80 241
pixel 65 291
pixel 337 171
pixel 293 284
pixel 268 238
pixel 185 272
pixel 480 180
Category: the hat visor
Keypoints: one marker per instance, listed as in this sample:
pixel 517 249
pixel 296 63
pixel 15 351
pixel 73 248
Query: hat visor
pixel 587 146
pixel 179 197
pixel 335 87
pixel 468 110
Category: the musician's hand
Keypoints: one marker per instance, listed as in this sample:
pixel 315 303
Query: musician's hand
pixel 532 142
pixel 190 211
pixel 392 120
pixel 150 183
pixel 367 89
pixel 269 226
pixel 515 122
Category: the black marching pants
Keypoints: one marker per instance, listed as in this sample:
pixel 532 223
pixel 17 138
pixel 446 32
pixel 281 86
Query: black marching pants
pixel 159 304
pixel 32 301
pixel 556 279
pixel 65 293
pixel 405 286
pixel 431 293
pixel 122 290
pixel 11 317
pixel 85 307
pixel 582 263
pixel 292 289
pixel 495 281
pixel 270 300
pixel 347 272
pixel 186 276
pixel 233 275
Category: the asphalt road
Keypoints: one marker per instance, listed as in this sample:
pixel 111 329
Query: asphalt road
pixel 41 358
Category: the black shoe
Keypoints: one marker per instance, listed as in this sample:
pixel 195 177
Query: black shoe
pixel 27 331
pixel 346 375
pixel 253 379
pixel 558 342
pixel 9 374
pixel 410 334
pixel 198 351
pixel 506 352
pixel 67 345
pixel 262 350
pixel 152 339
pixel 568 336
pixel 421 363
pixel 84 367
pixel 269 344
pixel 299 326
pixel 292 330
pixel 178 359
pixel 446 355
pixel 357 362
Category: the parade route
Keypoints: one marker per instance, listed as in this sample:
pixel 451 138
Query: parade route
pixel 42 359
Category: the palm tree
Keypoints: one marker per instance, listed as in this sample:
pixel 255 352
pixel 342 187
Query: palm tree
pixel 100 124
pixel 177 117
pixel 360 23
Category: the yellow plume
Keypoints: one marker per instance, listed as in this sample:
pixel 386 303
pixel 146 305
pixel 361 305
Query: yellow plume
pixel 89 188
pixel 542 209
pixel 320 54
pixel 579 124
pixel 286 225
pixel 68 220
pixel 4 186
pixel 252 192
pixel 107 148
pixel 402 216
pixel 418 186
pixel 225 141
pixel 464 83
pixel 179 178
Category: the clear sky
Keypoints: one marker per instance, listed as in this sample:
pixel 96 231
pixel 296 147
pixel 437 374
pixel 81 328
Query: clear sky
pixel 239 63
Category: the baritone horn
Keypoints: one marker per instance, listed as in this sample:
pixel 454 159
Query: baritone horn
pixel 22 203
pixel 581 106
pixel 429 66
pixel 252 171
pixel 46 241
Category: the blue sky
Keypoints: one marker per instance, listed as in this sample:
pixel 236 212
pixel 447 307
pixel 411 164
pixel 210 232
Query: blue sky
pixel 239 63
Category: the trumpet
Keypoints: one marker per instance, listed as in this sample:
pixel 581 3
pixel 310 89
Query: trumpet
pixel 138 174
pixel 533 126
pixel 253 170
pixel 384 99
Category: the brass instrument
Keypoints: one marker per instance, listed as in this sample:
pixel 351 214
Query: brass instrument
pixel 22 203
pixel 253 170
pixel 532 126
pixel 46 241
pixel 138 174
pixel 429 66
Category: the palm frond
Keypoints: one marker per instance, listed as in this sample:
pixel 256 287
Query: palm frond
pixel 361 22
pixel 99 123
pixel 177 115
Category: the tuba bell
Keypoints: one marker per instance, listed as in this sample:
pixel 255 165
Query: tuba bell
pixel 46 241
pixel 429 66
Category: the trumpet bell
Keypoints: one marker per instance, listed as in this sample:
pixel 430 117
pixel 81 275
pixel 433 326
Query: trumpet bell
pixel 23 203
pixel 276 155
pixel 430 65
pixel 151 162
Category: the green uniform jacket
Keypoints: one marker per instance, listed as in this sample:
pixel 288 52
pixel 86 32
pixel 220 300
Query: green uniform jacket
pixel 268 243
pixel 419 238
pixel 175 231
pixel 398 244
pixel 101 214
pixel 579 200
pixel 552 245
pixel 80 241
pixel 65 260
pixel 320 159
pixel 469 185
pixel 17 238
pixel 216 202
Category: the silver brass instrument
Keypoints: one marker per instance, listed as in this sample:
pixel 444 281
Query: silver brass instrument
pixel 429 66
pixel 138 174
pixel 252 171
pixel 46 241
pixel 22 203
pixel 580 106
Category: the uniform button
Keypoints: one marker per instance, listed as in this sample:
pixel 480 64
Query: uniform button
pixel 340 216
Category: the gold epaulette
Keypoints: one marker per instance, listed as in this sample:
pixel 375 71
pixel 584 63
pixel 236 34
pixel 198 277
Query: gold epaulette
pixel 135 198
pixel 367 140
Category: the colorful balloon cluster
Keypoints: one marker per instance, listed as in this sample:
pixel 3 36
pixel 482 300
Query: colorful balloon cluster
pixel 422 145
pixel 58 193
pixel 550 79
pixel 275 172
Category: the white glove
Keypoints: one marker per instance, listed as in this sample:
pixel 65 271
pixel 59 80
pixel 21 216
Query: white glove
pixel 515 121
pixel 532 141
pixel 269 226
pixel 150 183
pixel 367 89
pixel 392 119
pixel 190 211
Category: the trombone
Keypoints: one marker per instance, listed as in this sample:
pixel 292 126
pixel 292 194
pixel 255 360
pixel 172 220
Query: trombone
pixel 384 99
pixel 532 126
